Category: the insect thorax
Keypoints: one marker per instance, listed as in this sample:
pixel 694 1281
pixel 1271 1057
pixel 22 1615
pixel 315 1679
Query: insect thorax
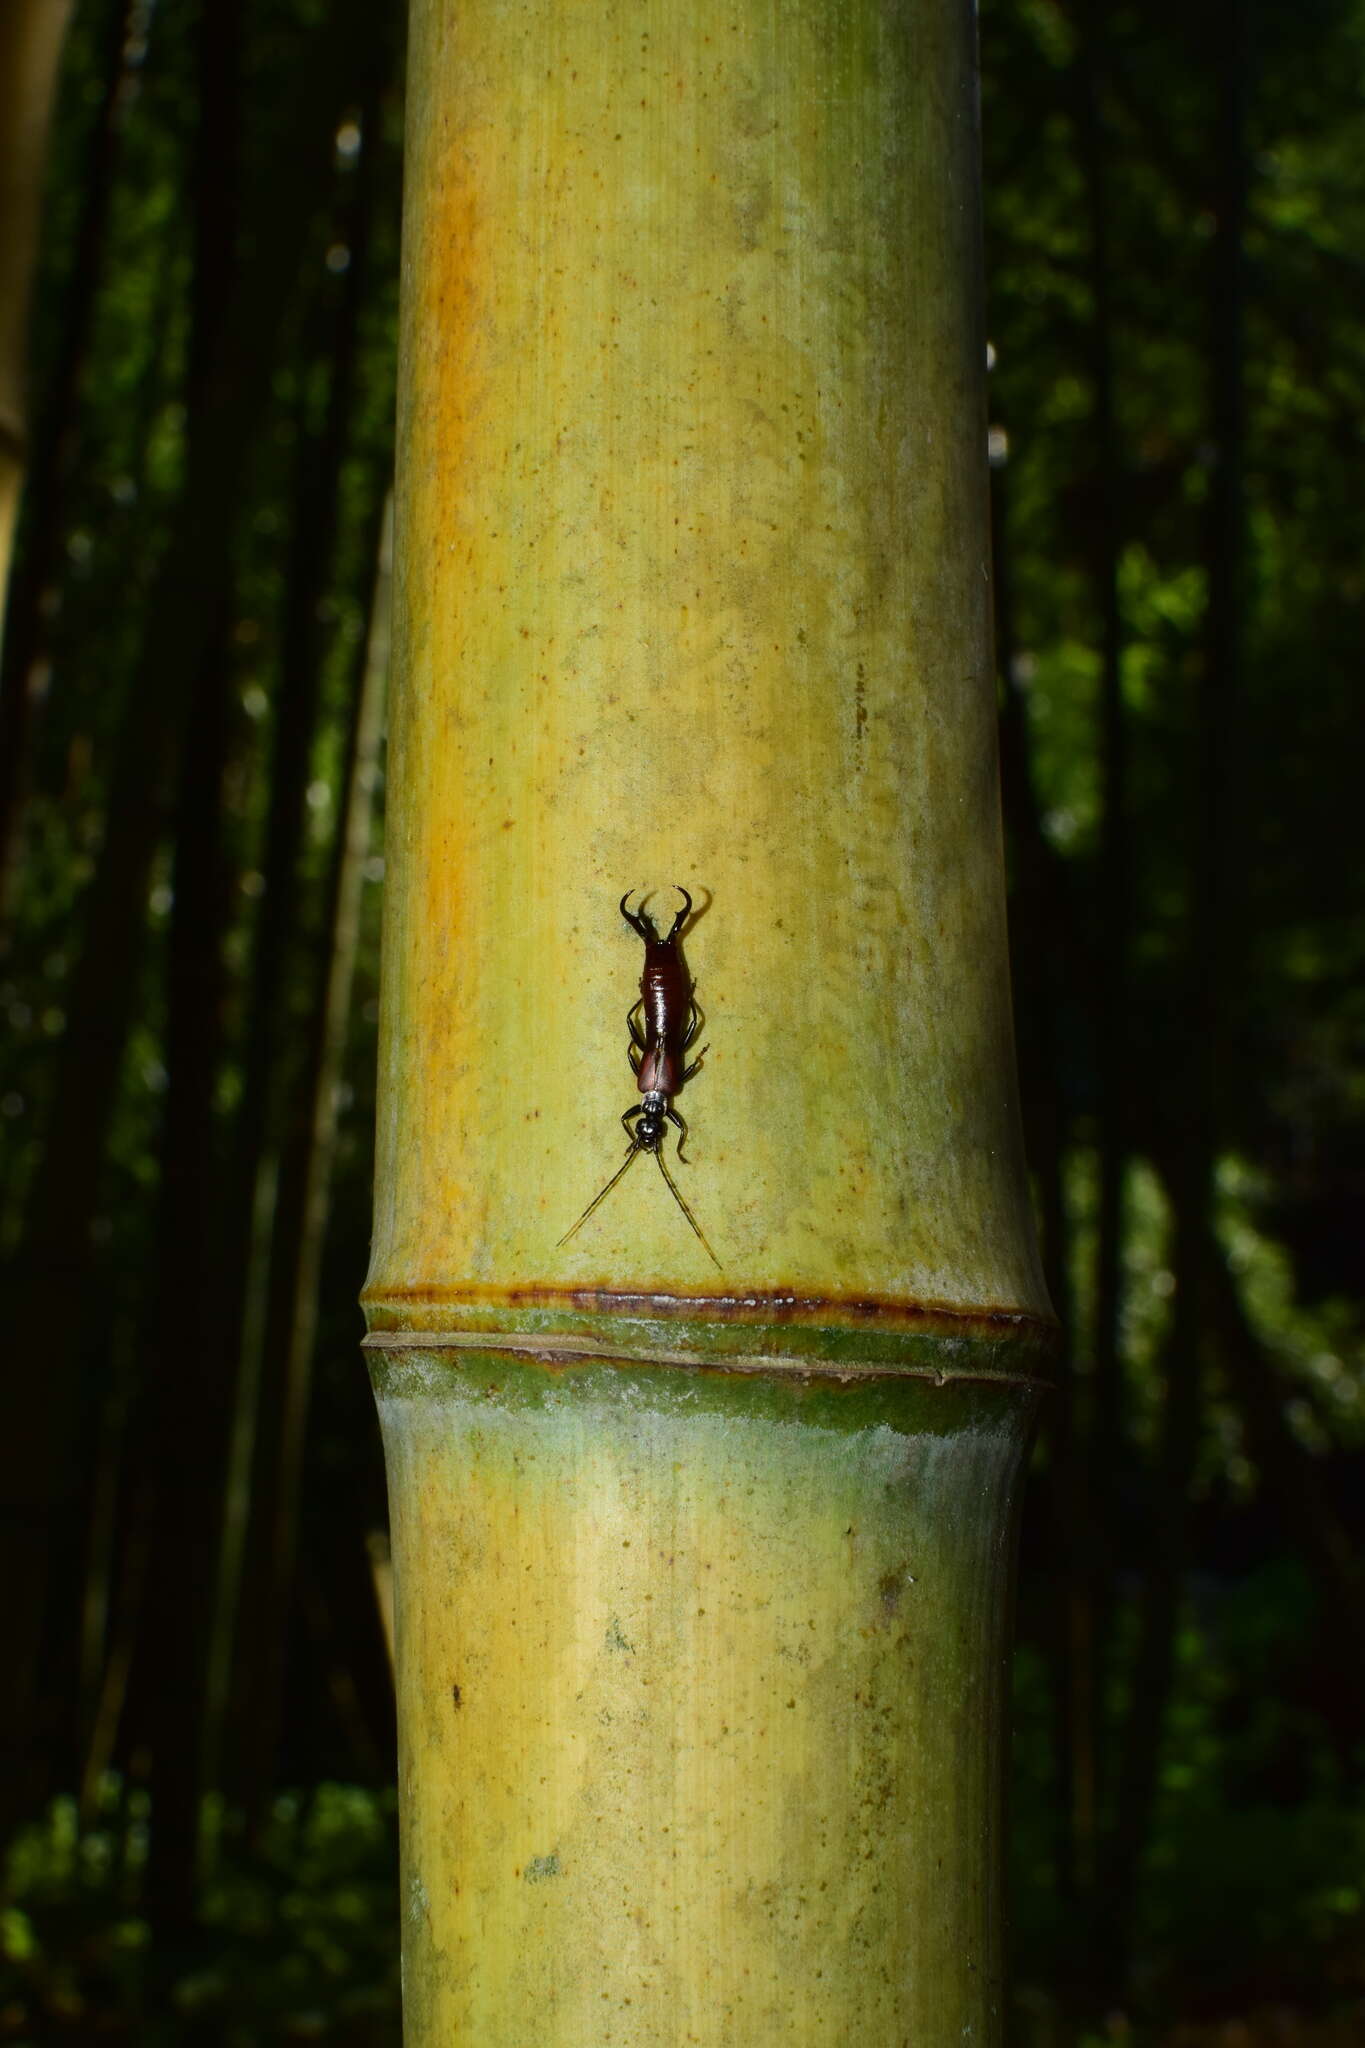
pixel 649 1130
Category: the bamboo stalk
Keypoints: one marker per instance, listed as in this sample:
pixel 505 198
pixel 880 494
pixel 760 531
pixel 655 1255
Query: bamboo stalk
pixel 25 625
pixel 701 1588
pixel 32 35
pixel 306 1187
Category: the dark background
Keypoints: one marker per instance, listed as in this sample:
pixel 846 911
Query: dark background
pixel 197 1755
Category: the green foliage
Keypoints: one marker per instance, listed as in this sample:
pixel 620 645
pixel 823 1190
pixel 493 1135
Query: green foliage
pixel 297 1942
pixel 1254 1889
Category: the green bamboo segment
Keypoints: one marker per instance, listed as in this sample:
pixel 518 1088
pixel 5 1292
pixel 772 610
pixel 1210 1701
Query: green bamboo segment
pixel 701 1684
pixel 701 1579
pixel 652 1331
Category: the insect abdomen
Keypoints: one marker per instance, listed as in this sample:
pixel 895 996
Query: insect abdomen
pixel 667 999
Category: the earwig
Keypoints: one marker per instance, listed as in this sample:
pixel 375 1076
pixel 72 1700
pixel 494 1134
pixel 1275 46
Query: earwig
pixel 658 1054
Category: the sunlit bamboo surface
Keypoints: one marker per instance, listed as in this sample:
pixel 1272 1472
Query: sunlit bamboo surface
pixel 701 1579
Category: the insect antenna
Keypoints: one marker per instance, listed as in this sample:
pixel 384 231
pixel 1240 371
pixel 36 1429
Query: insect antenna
pixel 603 1196
pixel 677 1196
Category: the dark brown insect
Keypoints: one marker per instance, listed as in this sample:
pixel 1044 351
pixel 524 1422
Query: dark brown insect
pixel 658 1053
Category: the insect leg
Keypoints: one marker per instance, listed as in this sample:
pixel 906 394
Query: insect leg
pixel 674 1118
pixel 634 1027
pixel 638 1110
pixel 688 1072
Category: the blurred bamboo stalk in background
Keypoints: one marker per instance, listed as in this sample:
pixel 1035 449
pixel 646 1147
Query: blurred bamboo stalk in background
pixel 305 1190
pixel 35 593
pixel 39 1451
pixel 32 33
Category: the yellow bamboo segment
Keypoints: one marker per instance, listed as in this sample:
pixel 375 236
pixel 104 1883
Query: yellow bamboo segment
pixel 693 587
